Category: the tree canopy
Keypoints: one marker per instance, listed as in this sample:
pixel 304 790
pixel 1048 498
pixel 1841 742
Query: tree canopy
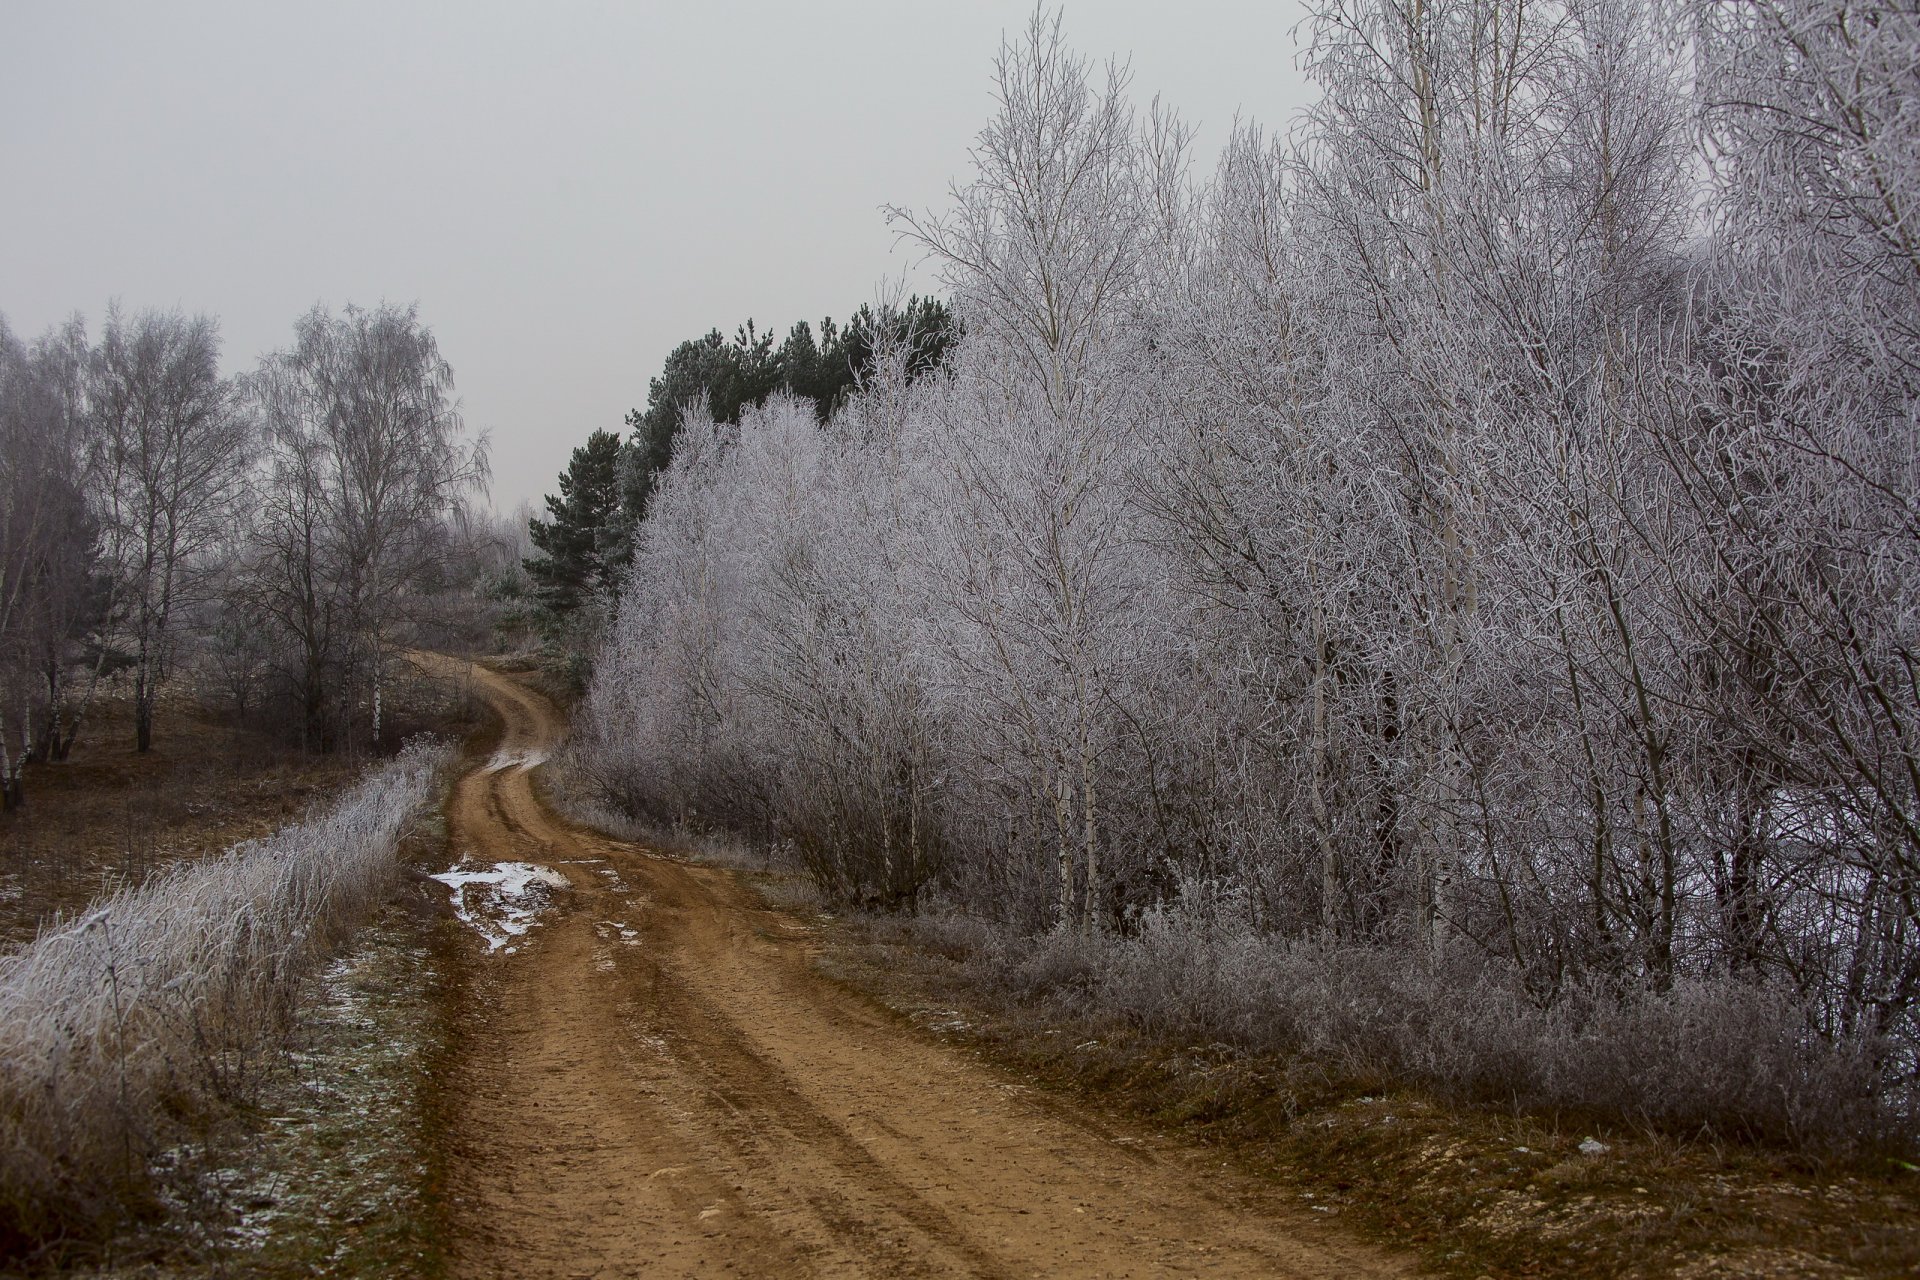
pixel 741 372
pixel 586 540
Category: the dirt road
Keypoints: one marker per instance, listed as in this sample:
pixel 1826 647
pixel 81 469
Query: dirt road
pixel 655 1083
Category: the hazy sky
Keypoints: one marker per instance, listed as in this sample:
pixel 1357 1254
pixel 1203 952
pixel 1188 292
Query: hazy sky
pixel 566 191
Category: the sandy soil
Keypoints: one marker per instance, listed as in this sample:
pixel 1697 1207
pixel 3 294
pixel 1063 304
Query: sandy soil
pixel 657 1083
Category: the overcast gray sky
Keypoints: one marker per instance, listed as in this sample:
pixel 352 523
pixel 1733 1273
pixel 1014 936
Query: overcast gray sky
pixel 567 190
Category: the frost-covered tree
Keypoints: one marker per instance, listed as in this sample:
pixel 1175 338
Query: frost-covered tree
pixel 1469 538
pixel 171 442
pixel 1044 251
pixel 1801 465
pixel 365 464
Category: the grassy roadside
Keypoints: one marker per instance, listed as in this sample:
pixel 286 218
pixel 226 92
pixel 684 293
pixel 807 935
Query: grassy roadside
pixel 109 816
pixel 328 1169
pixel 334 1177
pixel 322 1163
pixel 1471 1191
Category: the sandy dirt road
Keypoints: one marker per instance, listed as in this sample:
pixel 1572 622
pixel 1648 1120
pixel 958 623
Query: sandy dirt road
pixel 656 1083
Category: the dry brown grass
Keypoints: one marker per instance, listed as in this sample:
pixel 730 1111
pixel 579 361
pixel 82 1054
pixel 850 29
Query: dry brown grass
pixel 109 816
pixel 123 1031
pixel 1475 1191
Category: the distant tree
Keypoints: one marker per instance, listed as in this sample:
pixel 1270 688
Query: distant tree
pixel 923 330
pixel 367 464
pixel 726 374
pixel 75 651
pixel 170 443
pixel 807 366
pixel 581 544
pixel 48 550
pixel 827 372
pixel 498 547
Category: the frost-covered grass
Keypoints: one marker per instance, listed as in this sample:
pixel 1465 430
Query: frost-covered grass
pixel 1729 1059
pixel 336 1178
pixel 123 1030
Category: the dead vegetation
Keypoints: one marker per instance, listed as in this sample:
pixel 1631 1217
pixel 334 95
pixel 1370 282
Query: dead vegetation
pixel 1476 1188
pixel 122 1028
pixel 166 1012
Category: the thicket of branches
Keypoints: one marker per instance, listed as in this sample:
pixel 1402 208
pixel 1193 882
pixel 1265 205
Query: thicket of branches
pixel 1477 531
pixel 278 531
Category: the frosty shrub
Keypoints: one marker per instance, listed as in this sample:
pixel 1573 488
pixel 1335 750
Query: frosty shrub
pixel 1734 1059
pixel 123 1029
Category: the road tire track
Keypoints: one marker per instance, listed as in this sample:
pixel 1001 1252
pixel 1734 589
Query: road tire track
pixel 657 1083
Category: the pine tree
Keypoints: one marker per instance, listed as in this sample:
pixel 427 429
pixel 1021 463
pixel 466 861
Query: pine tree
pixel 738 373
pixel 583 544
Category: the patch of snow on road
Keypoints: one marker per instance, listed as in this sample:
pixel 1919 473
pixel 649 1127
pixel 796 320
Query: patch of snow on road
pixel 522 760
pixel 500 902
pixel 607 929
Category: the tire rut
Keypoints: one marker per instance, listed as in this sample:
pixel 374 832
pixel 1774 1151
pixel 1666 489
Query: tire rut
pixel 694 1099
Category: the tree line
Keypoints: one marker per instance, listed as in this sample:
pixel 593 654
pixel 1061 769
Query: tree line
pixel 584 543
pixel 279 531
pixel 1476 529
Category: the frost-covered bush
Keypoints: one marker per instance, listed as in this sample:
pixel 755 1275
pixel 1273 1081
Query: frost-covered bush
pixel 1731 1058
pixel 120 1029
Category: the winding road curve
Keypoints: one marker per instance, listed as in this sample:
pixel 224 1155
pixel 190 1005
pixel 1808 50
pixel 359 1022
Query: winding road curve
pixel 657 1083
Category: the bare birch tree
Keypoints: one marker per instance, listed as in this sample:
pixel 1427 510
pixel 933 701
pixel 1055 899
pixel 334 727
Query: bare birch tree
pixel 170 444
pixel 1044 250
pixel 366 461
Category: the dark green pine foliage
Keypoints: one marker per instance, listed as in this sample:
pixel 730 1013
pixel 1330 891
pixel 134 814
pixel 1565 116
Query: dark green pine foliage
pixel 731 374
pixel 583 544
pixel 735 373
